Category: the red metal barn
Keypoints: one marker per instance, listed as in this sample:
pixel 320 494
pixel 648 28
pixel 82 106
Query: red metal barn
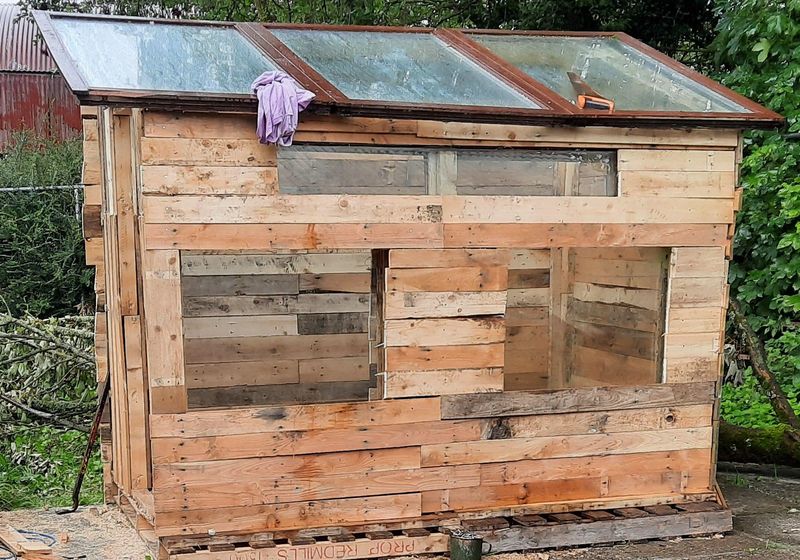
pixel 33 95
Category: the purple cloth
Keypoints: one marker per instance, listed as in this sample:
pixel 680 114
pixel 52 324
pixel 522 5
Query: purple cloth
pixel 280 100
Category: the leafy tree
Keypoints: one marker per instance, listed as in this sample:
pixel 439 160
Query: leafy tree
pixel 681 28
pixel 758 54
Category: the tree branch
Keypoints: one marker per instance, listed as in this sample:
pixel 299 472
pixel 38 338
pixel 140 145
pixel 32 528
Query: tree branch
pixel 47 416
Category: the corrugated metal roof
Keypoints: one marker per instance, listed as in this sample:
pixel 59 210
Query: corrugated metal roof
pixel 19 49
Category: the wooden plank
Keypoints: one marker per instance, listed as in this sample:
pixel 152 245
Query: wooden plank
pixel 697 292
pixel 684 320
pixel 613 315
pixel 614 295
pixel 223 374
pixel 269 489
pixel 528 297
pixel 595 135
pixel 136 384
pixel 670 160
pixel 356 548
pixel 164 331
pixel 624 342
pixel 405 305
pixel 416 358
pixel 521 403
pixel 529 278
pixel 262 420
pixel 443 382
pixel 325 370
pixel 239 326
pixel 456 279
pixel 228 306
pixel 240 285
pixel 544 236
pixel 331 323
pixel 309 236
pixel 614 421
pixel 677 184
pixel 285 467
pixel 345 282
pixel 444 332
pixel 499 450
pixel 242 446
pixel 293 209
pixel 447 258
pixel 584 210
pixel 123 192
pixel 301 393
pixel 193 151
pixel 303 263
pixel 208 180
pixel 607 368
pixel 699 262
pixel 296 515
pixel 214 350
pixel 569 534
pixel 630 274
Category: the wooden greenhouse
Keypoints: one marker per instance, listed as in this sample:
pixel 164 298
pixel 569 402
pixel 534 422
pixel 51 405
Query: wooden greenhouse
pixel 485 287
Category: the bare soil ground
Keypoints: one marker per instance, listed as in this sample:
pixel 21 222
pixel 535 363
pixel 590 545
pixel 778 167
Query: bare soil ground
pixel 766 527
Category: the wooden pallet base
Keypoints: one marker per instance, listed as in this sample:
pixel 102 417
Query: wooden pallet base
pixel 523 532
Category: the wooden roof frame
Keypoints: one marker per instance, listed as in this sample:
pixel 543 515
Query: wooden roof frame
pixel 330 100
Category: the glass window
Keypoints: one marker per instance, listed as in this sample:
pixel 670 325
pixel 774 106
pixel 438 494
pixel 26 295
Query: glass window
pixel 165 57
pixel 400 67
pixel 633 80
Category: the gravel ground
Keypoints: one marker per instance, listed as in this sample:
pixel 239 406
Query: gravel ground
pixel 766 527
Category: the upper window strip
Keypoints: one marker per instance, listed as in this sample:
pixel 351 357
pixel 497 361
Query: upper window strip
pixel 631 79
pixel 399 67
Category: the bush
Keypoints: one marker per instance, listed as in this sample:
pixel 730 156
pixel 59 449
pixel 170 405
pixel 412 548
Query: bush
pixel 42 268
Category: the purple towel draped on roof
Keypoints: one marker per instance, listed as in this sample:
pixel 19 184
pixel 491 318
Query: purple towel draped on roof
pixel 280 100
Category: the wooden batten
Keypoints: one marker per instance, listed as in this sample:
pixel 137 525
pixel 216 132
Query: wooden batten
pixel 400 324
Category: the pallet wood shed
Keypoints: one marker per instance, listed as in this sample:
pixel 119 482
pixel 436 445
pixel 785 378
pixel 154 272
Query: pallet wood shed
pixel 458 299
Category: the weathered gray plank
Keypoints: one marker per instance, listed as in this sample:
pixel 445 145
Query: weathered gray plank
pixel 302 393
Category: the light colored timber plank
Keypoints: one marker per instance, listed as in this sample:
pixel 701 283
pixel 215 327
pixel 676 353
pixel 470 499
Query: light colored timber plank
pixel 528 297
pixel 543 236
pixel 614 315
pixel 223 374
pixel 304 263
pixel 259 420
pixel 164 331
pixel 447 258
pixel 694 369
pixel 416 358
pixel 684 320
pixel 669 160
pixel 588 135
pixel 208 180
pixel 631 274
pixel 458 279
pixel 692 344
pixel 443 382
pixel 267 489
pixel 292 236
pixel 610 210
pixel 404 305
pixel 136 381
pixel 324 370
pixel 697 292
pixel 522 403
pixel 358 548
pixel 213 350
pixel 296 515
pixel 499 450
pixel 235 326
pixel 677 184
pixel 290 209
pixel 293 209
pixel 286 467
pixel 193 151
pixel 442 332
pixel 699 262
pixel 226 306
pixel 242 446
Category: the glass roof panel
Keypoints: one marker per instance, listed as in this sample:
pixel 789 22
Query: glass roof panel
pixel 164 57
pixel 399 67
pixel 615 70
